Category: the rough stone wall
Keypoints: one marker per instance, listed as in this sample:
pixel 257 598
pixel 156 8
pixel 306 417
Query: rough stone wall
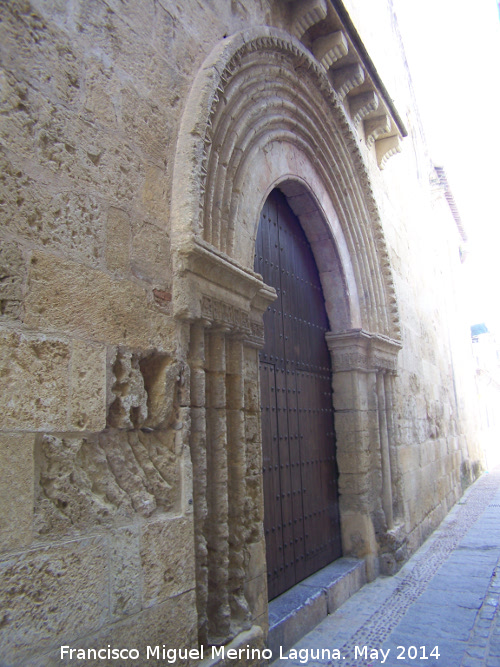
pixel 96 487
pixel 96 523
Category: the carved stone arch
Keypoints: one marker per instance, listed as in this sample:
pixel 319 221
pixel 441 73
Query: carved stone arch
pixel 262 114
pixel 258 89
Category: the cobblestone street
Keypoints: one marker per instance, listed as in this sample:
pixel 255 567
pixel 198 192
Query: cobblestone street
pixel 442 608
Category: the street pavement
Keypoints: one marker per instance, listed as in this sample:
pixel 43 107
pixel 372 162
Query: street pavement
pixel 441 609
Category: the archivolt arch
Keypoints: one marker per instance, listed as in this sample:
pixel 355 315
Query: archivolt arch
pixel 261 89
pixel 262 114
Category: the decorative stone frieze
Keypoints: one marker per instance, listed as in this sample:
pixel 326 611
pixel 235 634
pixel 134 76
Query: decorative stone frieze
pixel 218 312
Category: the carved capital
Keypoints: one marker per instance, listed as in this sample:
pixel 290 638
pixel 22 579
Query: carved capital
pixel 347 78
pixel 255 338
pixel 330 48
pixel 362 351
pixel 224 316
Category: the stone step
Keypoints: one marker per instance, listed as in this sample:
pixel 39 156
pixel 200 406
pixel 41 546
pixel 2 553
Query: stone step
pixel 297 611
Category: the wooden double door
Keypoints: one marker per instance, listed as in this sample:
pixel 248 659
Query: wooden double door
pixel 299 464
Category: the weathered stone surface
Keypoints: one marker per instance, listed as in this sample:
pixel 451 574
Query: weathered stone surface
pixel 52 595
pixel 101 87
pixel 147 121
pixel 162 378
pixel 257 596
pixel 34 382
pixel 118 240
pixel 125 572
pixel 171 623
pixel 155 195
pixel 89 482
pixel 51 384
pixel 150 255
pixel 128 408
pixel 167 555
pixel 67 220
pixel 88 387
pixel 66 296
pixel 16 489
pixel 12 276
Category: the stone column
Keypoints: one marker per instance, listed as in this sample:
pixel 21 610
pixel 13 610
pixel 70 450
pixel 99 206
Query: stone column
pixel 236 456
pixel 218 610
pixel 396 479
pixel 384 452
pixel 198 446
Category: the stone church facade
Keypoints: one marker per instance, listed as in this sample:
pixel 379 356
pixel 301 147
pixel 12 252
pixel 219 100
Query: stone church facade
pixel 140 142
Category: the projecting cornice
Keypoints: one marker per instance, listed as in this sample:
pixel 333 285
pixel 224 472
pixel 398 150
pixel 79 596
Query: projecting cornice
pixel 326 29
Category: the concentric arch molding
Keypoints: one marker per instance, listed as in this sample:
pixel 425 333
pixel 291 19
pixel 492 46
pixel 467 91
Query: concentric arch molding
pixel 262 112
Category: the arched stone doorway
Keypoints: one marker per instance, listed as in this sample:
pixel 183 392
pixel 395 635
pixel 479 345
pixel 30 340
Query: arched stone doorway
pixel 252 124
pixel 301 514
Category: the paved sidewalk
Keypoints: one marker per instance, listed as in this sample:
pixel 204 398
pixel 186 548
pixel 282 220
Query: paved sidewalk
pixel 442 608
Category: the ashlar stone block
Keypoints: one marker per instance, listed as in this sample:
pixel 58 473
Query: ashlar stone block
pixel 88 387
pixel 12 275
pixel 118 240
pixel 52 595
pixel 66 296
pixel 167 556
pixel 171 623
pixel 51 384
pixel 16 489
pixel 125 572
pixel 34 382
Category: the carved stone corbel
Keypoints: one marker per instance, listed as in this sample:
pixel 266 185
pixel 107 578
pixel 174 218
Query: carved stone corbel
pixel 361 105
pixel 306 14
pixel 375 128
pixel 386 148
pixel 330 48
pixel 347 78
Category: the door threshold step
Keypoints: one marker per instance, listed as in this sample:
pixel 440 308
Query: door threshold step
pixel 297 611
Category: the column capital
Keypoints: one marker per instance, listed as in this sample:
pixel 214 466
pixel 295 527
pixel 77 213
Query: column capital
pixel 363 351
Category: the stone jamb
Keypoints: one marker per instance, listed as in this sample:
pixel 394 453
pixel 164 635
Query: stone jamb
pixel 361 363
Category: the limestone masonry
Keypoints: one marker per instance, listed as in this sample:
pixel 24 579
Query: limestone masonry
pixel 139 142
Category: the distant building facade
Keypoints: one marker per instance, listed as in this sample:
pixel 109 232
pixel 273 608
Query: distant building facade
pixel 213 214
